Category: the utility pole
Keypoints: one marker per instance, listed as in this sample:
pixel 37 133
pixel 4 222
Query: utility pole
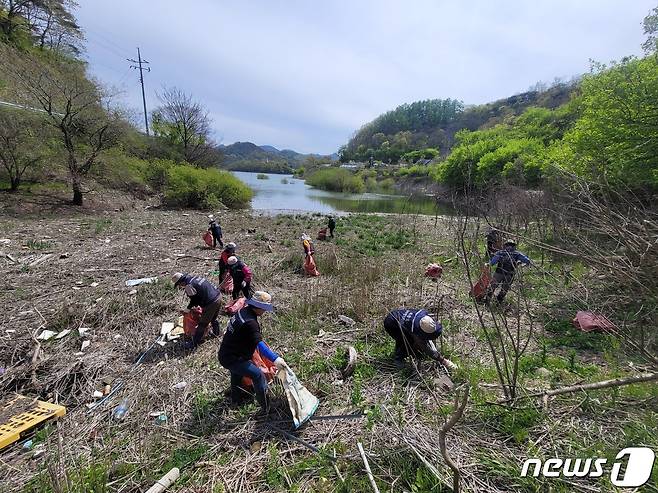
pixel 139 63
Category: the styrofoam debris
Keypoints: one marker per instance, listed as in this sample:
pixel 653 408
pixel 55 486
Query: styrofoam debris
pixel 46 334
pixel 63 334
pixel 85 345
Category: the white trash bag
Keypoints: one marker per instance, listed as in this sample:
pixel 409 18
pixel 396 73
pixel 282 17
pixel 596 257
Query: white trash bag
pixel 302 403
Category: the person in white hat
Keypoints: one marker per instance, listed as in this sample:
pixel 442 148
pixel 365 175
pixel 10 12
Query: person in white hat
pixel 242 276
pixel 243 335
pixel 216 231
pixel 414 331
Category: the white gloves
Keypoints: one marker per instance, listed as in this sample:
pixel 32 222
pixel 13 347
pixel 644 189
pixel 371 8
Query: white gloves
pixel 244 284
pixel 281 364
pixel 449 364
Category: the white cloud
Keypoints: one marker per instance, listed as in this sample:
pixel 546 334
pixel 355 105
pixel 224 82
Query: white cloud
pixel 305 75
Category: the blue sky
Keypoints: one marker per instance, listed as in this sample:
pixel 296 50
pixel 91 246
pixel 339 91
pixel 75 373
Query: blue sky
pixel 304 75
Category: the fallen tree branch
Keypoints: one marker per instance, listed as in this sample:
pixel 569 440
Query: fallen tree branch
pixel 351 363
pixel 367 466
pixel 617 382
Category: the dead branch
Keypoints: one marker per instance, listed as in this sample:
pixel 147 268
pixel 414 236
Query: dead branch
pixel 367 466
pixel 456 416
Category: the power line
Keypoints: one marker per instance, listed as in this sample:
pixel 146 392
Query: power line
pixel 139 63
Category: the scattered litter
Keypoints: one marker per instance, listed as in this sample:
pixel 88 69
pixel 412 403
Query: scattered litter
pixel 255 447
pixel 39 450
pixel 132 292
pixel 121 410
pixel 155 414
pixel 166 328
pixel 63 334
pixel 93 284
pixel 79 353
pixel 22 414
pixel 117 336
pixel 8 256
pixel 161 419
pixel 106 389
pixel 27 445
pixel 85 345
pixel 351 363
pixel 64 255
pixel 161 342
pixel 166 260
pixel 5 241
pixel 82 331
pixel 165 481
pixel 543 372
pixel 90 405
pixel 144 280
pixel 77 288
pixel 46 334
pixel 79 283
pixel 2 370
pixel 346 320
pixel 433 271
pixel 27 312
pixel 107 240
pixel 10 331
pixel 302 403
pixel 180 385
pixel 97 394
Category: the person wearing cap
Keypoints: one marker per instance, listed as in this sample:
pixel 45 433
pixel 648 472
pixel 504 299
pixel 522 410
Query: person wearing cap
pixel 228 251
pixel 204 294
pixel 413 332
pixel 331 225
pixel 494 239
pixel 242 275
pixel 243 336
pixel 216 231
pixel 506 262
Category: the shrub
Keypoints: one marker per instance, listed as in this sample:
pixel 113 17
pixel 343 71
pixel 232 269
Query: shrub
pixel 204 188
pixel 336 180
pixel 262 176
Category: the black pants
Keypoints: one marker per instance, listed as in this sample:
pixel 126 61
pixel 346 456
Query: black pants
pixel 237 289
pixel 331 231
pixel 405 344
pixel 217 239
pixel 502 279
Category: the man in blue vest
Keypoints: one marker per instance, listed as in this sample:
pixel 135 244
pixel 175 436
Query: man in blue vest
pixel 243 335
pixel 506 261
pixel 216 231
pixel 204 294
pixel 414 331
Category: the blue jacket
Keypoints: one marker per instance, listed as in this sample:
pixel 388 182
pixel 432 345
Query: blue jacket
pixel 201 291
pixel 216 230
pixel 506 260
pixel 409 321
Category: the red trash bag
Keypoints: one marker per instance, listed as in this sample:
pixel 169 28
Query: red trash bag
pixel 266 366
pixel 479 290
pixel 191 320
pixel 207 237
pixel 433 271
pixel 588 322
pixel 310 267
pixel 322 234
pixel 226 285
pixel 234 306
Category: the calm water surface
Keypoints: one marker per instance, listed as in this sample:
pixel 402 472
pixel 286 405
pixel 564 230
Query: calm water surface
pixel 281 193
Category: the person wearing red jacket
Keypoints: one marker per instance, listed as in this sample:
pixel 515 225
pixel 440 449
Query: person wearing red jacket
pixel 223 267
pixel 242 275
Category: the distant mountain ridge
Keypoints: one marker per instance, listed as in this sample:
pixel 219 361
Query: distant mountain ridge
pixel 248 151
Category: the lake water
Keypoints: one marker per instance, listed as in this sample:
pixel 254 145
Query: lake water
pixel 284 193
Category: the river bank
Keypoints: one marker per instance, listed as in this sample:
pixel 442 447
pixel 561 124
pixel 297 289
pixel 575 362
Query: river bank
pixel 375 263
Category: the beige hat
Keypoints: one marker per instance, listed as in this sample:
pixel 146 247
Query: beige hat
pixel 232 260
pixel 176 277
pixel 427 324
pixel 262 300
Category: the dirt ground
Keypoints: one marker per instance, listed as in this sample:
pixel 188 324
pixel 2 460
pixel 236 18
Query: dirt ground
pixel 68 271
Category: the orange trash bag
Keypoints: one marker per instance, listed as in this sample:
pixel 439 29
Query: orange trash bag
pixel 207 237
pixel 234 306
pixel 227 284
pixel 310 267
pixel 433 271
pixel 264 365
pixel 588 322
pixel 191 320
pixel 322 234
pixel 479 289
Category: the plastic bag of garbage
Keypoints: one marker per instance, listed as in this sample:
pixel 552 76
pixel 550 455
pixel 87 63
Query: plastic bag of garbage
pixel 302 403
pixel 207 237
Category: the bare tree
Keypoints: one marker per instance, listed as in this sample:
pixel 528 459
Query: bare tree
pixel 74 105
pixel 184 123
pixel 19 143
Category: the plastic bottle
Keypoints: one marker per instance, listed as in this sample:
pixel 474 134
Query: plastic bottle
pixel 121 410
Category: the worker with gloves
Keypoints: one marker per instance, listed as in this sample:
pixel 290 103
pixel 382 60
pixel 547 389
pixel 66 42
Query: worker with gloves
pixel 241 274
pixel 223 267
pixel 413 332
pixel 204 294
pixel 243 336
pixel 506 262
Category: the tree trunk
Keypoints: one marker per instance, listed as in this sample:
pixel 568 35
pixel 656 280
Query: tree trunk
pixel 77 192
pixel 15 183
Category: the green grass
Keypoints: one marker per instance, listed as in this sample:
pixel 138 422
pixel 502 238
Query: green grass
pixel 39 244
pixel 564 334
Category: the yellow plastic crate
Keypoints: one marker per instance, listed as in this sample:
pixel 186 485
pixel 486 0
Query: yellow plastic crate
pixel 26 419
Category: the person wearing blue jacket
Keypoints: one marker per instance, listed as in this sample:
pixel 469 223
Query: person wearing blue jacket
pixel 243 335
pixel 216 231
pixel 413 332
pixel 204 294
pixel 506 262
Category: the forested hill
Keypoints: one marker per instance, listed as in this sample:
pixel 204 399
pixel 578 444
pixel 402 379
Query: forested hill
pixel 246 156
pixel 433 123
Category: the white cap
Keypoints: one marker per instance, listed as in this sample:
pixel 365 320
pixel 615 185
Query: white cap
pixel 305 237
pixel 427 324
pixel 230 246
pixel 176 277
pixel 232 260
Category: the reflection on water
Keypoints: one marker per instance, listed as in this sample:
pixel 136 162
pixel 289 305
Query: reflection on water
pixel 285 193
